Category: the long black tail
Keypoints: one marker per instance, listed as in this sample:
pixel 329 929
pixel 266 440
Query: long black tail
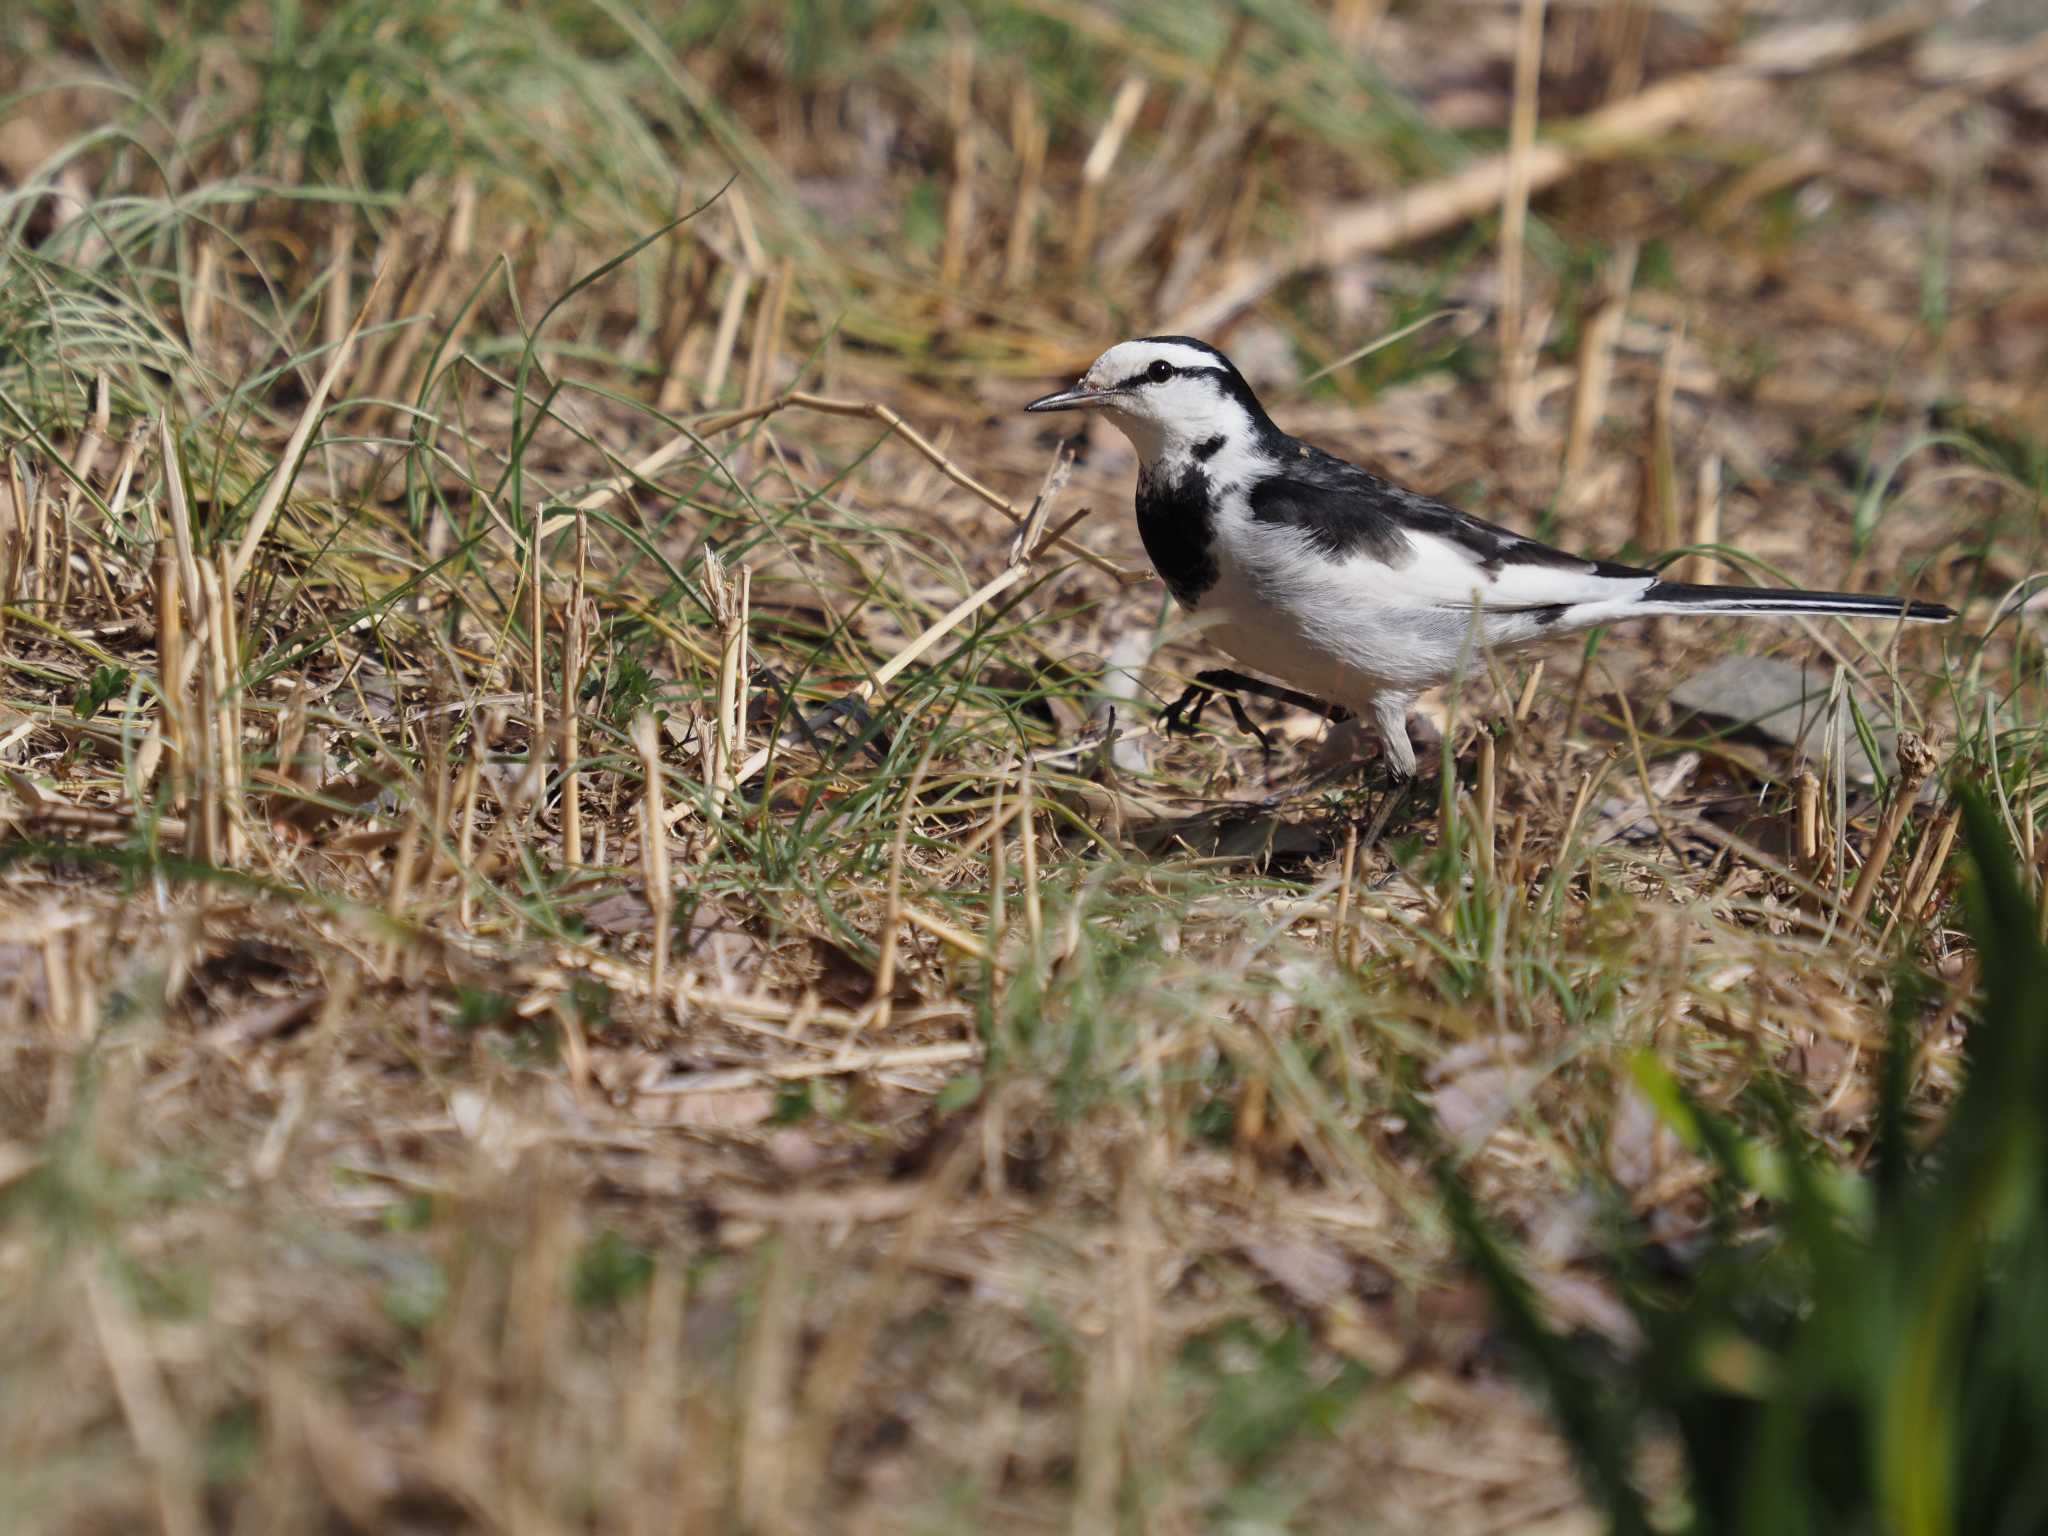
pixel 1689 597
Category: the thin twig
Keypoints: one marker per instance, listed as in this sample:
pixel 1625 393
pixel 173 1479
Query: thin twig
pixel 653 842
pixel 1916 762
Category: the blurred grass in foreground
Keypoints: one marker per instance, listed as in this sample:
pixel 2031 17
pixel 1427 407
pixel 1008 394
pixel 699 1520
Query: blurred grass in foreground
pixel 1878 1361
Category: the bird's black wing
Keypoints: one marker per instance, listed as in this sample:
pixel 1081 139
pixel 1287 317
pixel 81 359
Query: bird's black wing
pixel 1344 509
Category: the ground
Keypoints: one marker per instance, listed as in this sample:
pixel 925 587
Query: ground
pixel 591 940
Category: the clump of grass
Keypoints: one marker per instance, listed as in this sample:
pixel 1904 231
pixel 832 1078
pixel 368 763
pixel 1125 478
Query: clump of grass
pixel 1872 1360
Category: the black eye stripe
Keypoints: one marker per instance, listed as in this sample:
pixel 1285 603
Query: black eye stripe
pixel 1173 373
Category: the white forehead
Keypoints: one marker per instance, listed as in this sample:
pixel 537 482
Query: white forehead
pixel 1127 359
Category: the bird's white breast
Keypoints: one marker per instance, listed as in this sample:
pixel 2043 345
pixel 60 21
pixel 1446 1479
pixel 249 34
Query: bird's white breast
pixel 1347 628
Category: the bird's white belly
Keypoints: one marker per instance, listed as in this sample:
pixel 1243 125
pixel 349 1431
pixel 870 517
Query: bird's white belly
pixel 1339 630
pixel 1267 644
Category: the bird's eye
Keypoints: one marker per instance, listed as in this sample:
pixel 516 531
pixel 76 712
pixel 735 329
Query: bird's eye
pixel 1160 371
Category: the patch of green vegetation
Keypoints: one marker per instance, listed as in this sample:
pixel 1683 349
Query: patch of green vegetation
pixel 794 1102
pixel 107 683
pixel 2002 445
pixel 414 1292
pixel 234 1445
pixel 479 1008
pixel 1876 1364
pixel 609 1271
pixel 1266 1390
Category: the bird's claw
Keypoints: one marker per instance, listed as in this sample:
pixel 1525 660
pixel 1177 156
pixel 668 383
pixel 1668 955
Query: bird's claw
pixel 1184 715
pixel 1244 723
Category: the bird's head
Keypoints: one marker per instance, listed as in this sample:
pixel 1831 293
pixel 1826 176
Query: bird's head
pixel 1171 395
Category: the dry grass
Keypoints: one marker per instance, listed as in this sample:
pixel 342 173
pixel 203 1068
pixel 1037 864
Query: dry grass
pixel 592 940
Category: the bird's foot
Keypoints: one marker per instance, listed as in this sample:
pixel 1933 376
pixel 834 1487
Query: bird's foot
pixel 1184 715
pixel 1245 723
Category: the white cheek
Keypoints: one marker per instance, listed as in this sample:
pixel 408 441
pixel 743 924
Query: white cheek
pixel 1196 405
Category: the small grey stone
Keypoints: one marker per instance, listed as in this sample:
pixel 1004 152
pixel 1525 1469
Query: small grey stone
pixel 1787 702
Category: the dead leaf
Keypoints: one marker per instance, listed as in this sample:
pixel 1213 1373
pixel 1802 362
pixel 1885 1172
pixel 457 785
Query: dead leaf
pixel 622 912
pixel 739 1110
pixel 1314 1273
pixel 1472 1106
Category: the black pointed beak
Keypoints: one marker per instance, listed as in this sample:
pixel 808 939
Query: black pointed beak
pixel 1076 399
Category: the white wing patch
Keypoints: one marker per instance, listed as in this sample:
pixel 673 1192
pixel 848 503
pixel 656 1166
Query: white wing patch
pixel 1443 574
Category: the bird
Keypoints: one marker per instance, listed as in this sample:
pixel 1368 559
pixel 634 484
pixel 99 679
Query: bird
pixel 1355 591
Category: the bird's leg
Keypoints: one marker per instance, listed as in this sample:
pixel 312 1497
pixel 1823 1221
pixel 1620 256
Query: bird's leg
pixel 1397 792
pixel 1390 719
pixel 1231 684
pixel 1222 679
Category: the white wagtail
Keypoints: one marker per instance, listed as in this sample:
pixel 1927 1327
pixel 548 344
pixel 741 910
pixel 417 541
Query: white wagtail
pixel 1357 590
